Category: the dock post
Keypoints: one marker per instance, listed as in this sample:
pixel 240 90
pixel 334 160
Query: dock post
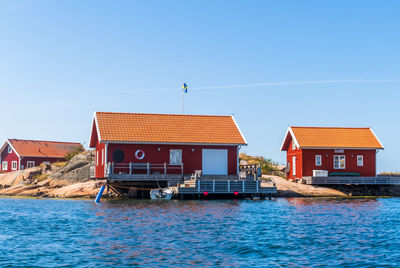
pixel 98 197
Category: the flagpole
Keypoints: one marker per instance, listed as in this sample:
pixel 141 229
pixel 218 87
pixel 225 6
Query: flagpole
pixel 183 102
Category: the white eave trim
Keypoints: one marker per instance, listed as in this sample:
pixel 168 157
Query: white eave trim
pixel 240 131
pixel 97 129
pixel 12 147
pixel 174 143
pixel 376 137
pixel 289 130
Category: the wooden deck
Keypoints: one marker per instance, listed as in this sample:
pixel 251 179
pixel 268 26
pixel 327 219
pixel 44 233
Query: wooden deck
pixel 380 180
pixel 227 187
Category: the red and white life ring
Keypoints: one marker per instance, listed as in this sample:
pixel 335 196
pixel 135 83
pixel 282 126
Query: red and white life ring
pixel 139 154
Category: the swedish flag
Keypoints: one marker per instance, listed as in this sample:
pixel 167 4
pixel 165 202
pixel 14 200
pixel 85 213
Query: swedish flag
pixel 185 88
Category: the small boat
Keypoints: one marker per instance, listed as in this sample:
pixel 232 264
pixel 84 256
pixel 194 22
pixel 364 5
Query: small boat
pixel 160 193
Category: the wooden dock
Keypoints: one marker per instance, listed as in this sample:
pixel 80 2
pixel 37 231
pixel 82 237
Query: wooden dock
pixel 227 187
pixel 333 180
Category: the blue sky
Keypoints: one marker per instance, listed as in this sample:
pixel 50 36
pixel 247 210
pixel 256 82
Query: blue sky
pixel 270 63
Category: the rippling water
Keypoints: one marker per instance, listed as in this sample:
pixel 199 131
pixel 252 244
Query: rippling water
pixel 284 232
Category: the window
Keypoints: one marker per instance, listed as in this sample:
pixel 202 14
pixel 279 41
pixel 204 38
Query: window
pixel 46 162
pixel 339 161
pixel 30 164
pixel 97 158
pixel 360 160
pixel 318 160
pixel 4 166
pixel 293 145
pixel 14 165
pixel 9 149
pixel 102 157
pixel 294 166
pixel 175 157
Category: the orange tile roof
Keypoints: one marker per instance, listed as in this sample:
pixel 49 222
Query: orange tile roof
pixel 335 137
pixel 168 128
pixel 43 148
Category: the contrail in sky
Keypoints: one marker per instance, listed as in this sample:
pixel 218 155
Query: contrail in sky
pixel 312 82
pixel 274 84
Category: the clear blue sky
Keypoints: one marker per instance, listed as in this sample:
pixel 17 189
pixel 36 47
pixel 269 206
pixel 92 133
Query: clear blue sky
pixel 62 60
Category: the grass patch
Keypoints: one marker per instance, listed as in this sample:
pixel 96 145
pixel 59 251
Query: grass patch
pixel 41 177
pixel 77 150
pixel 59 164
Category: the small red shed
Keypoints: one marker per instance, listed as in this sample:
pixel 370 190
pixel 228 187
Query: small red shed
pixel 18 154
pixel 316 151
pixel 165 143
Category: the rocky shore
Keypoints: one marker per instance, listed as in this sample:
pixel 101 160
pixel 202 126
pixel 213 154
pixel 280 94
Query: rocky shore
pixel 61 180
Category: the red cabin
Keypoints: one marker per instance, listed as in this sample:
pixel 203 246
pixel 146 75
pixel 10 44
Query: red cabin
pixel 19 154
pixel 327 151
pixel 132 143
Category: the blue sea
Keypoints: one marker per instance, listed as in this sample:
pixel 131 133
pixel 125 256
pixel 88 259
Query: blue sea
pixel 293 232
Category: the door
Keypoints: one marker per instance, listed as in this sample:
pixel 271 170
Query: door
pixel 215 162
pixel 294 166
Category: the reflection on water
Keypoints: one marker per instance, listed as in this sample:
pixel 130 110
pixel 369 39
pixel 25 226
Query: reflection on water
pixel 285 232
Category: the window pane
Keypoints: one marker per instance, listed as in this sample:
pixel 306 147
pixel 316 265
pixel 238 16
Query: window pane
pixel 175 157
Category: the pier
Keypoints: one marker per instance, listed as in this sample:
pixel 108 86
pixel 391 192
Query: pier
pixel 125 181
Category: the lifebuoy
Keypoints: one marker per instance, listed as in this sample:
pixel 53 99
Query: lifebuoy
pixel 139 154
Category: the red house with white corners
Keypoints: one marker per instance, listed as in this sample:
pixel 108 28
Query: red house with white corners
pixel 18 154
pixel 135 143
pixel 333 151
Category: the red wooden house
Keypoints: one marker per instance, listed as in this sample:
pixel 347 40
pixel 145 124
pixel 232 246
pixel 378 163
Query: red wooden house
pixel 322 151
pixel 19 154
pixel 133 143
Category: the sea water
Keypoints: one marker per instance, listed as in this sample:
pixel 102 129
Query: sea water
pixel 295 232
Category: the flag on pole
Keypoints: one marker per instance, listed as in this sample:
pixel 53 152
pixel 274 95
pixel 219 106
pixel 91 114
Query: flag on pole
pixel 185 88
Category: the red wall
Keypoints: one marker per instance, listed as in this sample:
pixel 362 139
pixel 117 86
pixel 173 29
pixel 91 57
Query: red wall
pixel 40 160
pixel 368 170
pixel 9 157
pixel 192 160
pixel 299 166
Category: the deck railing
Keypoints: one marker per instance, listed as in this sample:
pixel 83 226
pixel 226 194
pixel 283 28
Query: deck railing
pixel 228 186
pixel 380 180
pixel 132 168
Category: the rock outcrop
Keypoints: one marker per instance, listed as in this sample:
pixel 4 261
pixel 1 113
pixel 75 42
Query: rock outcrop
pixel 58 180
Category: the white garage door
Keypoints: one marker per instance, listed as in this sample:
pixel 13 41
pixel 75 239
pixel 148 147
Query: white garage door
pixel 215 162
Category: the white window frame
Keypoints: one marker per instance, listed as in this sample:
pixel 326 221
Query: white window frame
pixel 30 164
pixel 293 145
pixel 97 158
pixel 102 157
pixel 360 162
pixel 9 149
pixel 4 165
pixel 339 161
pixel 171 161
pixel 14 165
pixel 294 166
pixel 318 163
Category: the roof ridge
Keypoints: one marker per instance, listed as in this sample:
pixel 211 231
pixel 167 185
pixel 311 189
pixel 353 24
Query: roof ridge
pixel 167 114
pixel 67 142
pixel 333 127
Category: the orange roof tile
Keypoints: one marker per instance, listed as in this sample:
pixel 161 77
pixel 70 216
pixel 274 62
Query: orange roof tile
pixel 168 128
pixel 335 137
pixel 42 148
